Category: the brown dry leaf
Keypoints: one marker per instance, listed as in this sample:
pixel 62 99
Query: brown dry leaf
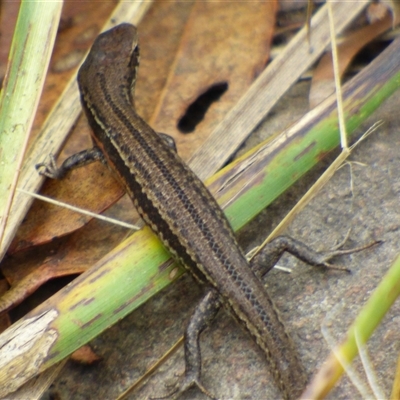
pixel 157 51
pixel 394 6
pixel 79 26
pixel 8 17
pixel 46 222
pixel 376 12
pixel 27 271
pixel 5 321
pixel 323 84
pixel 85 355
pixel 80 188
pixel 290 5
pixel 224 47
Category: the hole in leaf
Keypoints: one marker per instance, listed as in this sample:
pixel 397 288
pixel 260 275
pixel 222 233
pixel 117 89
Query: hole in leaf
pixel 197 110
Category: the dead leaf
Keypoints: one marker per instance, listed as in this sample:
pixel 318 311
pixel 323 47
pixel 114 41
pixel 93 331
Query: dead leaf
pixel 394 6
pixel 157 51
pixel 81 188
pixel 8 17
pixel 376 12
pixel 5 321
pixel 323 84
pixel 76 36
pixel 85 355
pixel 224 47
pixel 27 271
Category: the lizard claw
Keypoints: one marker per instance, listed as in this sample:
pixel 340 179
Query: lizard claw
pixel 49 169
pixel 182 386
pixel 338 252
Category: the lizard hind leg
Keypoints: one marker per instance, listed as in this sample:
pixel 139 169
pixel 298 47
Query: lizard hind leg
pixel 203 315
pixel 269 255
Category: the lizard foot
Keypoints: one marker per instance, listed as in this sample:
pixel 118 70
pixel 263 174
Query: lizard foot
pixel 337 251
pixel 183 385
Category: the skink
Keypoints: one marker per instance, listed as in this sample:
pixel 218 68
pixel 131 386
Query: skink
pixel 181 211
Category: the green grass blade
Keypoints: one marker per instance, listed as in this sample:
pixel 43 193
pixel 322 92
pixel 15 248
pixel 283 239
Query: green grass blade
pixel 364 325
pixel 28 62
